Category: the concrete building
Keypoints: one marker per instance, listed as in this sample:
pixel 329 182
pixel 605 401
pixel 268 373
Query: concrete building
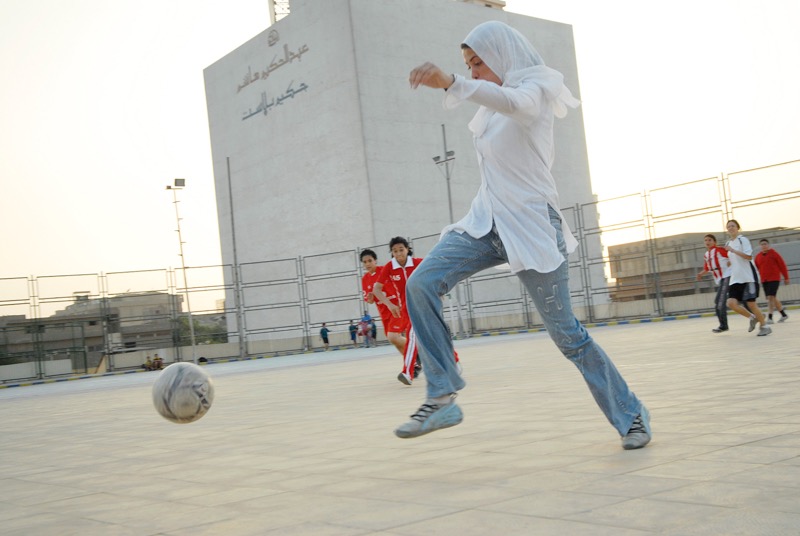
pixel 319 145
pixel 77 337
pixel 668 266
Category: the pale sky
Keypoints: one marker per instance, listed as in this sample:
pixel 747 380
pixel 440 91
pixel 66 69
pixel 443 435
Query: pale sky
pixel 102 104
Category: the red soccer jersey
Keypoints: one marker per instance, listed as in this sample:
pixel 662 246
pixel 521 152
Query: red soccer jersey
pixel 368 282
pixel 394 274
pixel 771 265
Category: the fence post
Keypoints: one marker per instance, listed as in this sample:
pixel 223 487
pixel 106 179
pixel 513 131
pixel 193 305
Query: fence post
pixel 305 315
pixel 652 252
pixel 586 282
pixel 174 314
pixel 526 308
pixel 724 188
pixel 238 300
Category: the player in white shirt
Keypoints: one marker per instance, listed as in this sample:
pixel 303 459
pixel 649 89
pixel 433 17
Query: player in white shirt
pixel 514 219
pixel 744 285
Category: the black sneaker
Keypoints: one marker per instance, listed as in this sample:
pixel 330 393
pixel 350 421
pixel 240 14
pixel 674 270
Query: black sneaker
pixel 719 330
pixel 417 370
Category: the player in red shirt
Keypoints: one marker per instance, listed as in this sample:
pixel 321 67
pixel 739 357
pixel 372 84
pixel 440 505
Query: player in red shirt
pixel 771 267
pixel 395 274
pixel 393 327
pixel 719 266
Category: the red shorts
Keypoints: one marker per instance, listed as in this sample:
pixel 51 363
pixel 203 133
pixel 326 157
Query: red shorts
pixel 392 324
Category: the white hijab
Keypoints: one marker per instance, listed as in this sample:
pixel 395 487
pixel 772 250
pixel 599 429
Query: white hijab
pixel 514 60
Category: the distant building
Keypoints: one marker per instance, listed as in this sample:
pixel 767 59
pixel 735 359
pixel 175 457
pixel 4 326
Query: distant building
pixel 90 327
pixel 668 266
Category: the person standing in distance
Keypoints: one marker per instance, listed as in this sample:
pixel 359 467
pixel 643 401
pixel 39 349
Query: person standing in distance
pixel 515 219
pixel 744 279
pixel 717 264
pixel 323 334
pixel 353 329
pixel 771 267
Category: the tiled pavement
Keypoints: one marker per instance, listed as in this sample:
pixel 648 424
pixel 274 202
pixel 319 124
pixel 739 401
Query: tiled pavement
pixel 303 445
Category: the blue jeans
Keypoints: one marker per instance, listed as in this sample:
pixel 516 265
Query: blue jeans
pixel 458 256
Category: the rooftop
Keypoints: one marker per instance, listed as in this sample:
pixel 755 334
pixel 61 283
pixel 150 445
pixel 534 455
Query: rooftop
pixel 304 445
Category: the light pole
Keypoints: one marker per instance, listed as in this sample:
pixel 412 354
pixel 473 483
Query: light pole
pixel 445 160
pixel 179 184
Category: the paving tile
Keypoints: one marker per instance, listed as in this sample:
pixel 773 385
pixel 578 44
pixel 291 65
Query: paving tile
pixel 646 514
pixel 303 445
pixel 728 494
pixel 742 523
pixel 481 523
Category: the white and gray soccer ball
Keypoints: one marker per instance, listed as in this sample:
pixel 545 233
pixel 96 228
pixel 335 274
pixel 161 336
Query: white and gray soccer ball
pixel 183 392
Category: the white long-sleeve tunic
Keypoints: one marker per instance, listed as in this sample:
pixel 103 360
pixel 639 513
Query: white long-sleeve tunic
pixel 513 136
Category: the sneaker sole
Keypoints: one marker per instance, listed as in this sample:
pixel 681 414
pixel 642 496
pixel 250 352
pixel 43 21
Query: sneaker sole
pixel 448 416
pixel 636 444
pixel 402 379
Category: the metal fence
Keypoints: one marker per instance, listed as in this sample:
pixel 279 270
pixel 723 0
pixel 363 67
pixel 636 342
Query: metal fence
pixel 638 257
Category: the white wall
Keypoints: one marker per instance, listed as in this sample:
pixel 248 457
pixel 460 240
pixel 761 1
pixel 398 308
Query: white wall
pixel 57 367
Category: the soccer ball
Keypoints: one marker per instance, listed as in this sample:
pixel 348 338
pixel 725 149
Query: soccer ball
pixel 183 392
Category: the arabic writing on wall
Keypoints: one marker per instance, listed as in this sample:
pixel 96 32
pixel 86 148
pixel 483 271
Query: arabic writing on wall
pixel 288 57
pixel 265 104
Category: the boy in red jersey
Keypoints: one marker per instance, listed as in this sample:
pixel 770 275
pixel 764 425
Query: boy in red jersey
pixel 393 327
pixel 771 266
pixel 719 266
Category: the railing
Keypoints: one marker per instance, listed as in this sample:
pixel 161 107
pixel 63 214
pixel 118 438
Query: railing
pixel 646 244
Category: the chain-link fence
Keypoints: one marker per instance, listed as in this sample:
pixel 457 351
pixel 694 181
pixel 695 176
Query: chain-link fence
pixel 652 249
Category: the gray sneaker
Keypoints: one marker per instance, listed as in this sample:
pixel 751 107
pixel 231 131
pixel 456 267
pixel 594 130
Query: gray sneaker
pixel 783 319
pixel 753 323
pixel 764 331
pixel 403 378
pixel 431 417
pixel 770 321
pixel 639 433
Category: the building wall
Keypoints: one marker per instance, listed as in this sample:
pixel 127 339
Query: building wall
pixel 330 150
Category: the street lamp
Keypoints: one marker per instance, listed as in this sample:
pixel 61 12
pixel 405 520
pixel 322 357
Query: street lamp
pixel 179 184
pixel 449 156
pixel 444 160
